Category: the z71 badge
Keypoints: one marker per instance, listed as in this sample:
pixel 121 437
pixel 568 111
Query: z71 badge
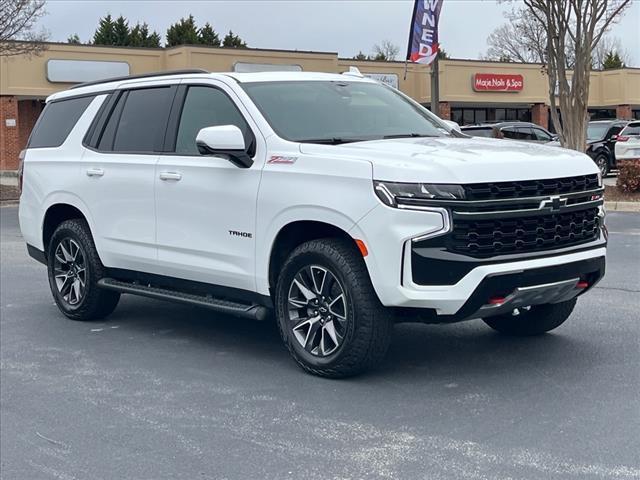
pixel 282 160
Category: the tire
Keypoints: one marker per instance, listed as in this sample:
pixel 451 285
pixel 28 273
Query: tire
pixel 361 325
pixel 536 321
pixel 602 163
pixel 72 260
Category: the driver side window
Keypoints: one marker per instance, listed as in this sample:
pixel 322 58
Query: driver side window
pixel 207 107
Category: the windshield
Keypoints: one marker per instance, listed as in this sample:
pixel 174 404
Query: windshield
pixel 596 131
pixel 340 111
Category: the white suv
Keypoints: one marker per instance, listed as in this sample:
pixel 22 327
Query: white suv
pixel 334 201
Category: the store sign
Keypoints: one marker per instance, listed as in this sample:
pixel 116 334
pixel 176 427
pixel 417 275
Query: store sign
pixel 76 71
pixel 390 79
pixel 497 82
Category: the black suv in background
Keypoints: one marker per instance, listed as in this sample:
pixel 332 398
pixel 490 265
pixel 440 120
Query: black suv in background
pixel 523 131
pixel 601 141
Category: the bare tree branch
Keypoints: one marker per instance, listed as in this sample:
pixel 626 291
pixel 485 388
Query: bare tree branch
pixel 18 35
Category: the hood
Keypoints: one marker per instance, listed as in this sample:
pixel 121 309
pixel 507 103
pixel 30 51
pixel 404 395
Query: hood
pixel 460 160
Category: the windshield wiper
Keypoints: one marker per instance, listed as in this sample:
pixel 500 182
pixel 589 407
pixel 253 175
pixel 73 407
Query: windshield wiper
pixel 407 135
pixel 331 141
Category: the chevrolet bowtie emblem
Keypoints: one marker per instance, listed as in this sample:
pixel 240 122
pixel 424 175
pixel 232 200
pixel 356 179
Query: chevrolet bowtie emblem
pixel 555 203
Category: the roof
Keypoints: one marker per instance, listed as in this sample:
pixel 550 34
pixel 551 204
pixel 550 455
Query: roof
pixel 92 88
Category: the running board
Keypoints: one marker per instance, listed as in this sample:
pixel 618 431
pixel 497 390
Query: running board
pixel 255 312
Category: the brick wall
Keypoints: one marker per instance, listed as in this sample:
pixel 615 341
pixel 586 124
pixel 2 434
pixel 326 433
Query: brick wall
pixel 28 113
pixel 540 115
pixel 445 110
pixel 9 136
pixel 623 112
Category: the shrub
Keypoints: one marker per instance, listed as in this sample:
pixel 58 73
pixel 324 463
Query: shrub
pixel 629 175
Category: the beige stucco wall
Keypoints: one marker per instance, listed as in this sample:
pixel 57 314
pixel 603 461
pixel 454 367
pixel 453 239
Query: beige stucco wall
pixel 26 76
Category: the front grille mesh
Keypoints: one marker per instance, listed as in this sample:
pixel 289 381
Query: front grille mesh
pixel 530 188
pixel 528 234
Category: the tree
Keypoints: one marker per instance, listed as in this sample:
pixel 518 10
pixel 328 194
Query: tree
pixel 231 40
pixel 105 34
pixel 18 20
pixel 385 51
pixel 208 36
pixel 74 39
pixel 361 56
pixel 121 32
pixel 611 61
pixel 183 32
pixel 606 45
pixel 522 39
pixel 139 37
pixel 442 54
pixel 574 26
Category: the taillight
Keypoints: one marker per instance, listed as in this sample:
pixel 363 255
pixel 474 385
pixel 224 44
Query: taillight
pixel 21 170
pixel 622 138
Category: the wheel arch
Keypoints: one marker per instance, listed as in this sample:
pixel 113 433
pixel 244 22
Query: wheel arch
pixel 295 233
pixel 54 215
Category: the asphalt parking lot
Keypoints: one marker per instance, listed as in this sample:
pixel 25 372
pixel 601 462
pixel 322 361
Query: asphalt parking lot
pixel 167 391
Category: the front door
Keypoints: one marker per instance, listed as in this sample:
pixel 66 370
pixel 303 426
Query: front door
pixel 205 205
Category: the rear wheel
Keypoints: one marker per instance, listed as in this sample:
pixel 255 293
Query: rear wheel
pixel 328 313
pixel 74 269
pixel 536 320
pixel 603 164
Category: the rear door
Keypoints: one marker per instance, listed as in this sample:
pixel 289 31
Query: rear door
pixel 119 172
pixel 205 205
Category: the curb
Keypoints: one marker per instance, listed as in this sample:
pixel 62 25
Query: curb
pixel 622 206
pixel 9 203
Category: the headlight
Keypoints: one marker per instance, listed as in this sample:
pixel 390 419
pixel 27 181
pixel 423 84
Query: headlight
pixel 393 193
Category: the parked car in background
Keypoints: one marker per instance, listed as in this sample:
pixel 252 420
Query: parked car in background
pixel 601 140
pixel 524 131
pixel 628 142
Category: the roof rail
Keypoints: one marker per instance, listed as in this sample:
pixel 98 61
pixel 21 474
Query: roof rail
pixel 142 75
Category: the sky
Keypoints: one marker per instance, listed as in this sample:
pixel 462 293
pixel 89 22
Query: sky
pixel 342 26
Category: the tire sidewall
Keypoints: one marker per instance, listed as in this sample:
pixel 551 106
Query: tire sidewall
pixel 60 234
pixel 289 271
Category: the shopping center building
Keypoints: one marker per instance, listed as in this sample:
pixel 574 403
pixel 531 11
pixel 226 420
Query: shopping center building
pixel 471 91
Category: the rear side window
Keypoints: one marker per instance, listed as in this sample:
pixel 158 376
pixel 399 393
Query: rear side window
pixel 478 132
pixel 632 129
pixel 56 122
pixel 138 121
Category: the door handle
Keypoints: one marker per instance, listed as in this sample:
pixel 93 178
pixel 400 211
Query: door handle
pixel 175 176
pixel 95 172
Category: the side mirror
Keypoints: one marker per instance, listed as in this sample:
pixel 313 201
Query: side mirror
pixel 225 141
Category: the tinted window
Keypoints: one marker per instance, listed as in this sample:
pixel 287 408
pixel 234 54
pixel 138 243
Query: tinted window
pixel 526 133
pixel 57 121
pixel 138 121
pixel 478 132
pixel 632 129
pixel 511 132
pixel 614 130
pixel 206 107
pixel 542 135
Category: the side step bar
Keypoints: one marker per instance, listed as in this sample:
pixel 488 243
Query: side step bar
pixel 255 312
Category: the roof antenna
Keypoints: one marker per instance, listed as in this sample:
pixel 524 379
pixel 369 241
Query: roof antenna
pixel 354 72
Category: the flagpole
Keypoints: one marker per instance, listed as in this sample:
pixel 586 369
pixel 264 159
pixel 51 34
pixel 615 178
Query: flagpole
pixel 435 87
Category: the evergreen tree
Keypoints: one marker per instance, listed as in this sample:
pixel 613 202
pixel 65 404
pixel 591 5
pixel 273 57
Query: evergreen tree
pixel 612 60
pixel 121 32
pixel 183 32
pixel 208 36
pixel 231 40
pixel 105 34
pixel 74 39
pixel 139 37
pixel 442 54
pixel 361 56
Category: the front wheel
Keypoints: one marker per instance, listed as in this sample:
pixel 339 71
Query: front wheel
pixel 536 320
pixel 328 313
pixel 74 269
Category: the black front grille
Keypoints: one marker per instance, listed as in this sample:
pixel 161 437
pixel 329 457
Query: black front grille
pixel 492 237
pixel 530 188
